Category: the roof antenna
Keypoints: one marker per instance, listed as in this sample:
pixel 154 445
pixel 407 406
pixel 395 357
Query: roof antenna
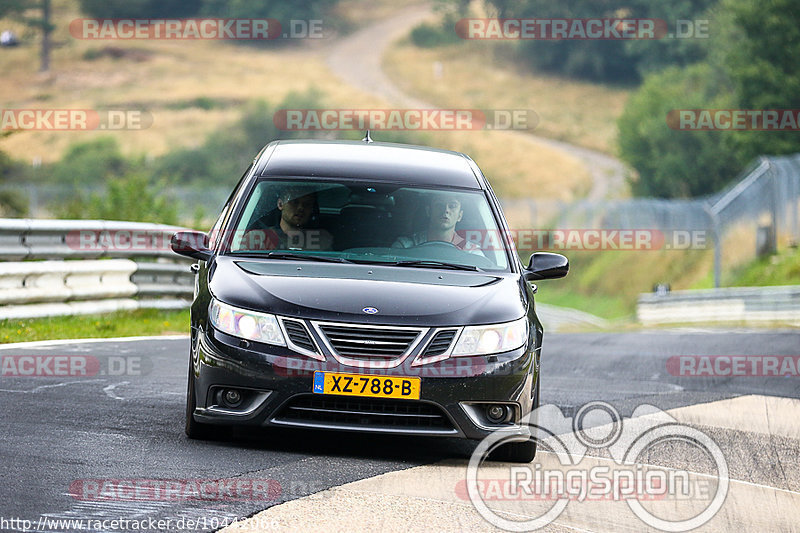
pixel 367 139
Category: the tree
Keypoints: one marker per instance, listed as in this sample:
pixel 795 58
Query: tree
pixel 607 60
pixel 144 9
pixel 674 163
pixel 652 55
pixel 277 9
pixel 761 44
pixel 750 65
pixel 20 9
pixel 90 162
pixel 129 197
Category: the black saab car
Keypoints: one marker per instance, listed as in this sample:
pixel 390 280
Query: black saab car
pixel 364 286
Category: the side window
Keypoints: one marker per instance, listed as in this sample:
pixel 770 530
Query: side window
pixel 216 230
pixel 214 234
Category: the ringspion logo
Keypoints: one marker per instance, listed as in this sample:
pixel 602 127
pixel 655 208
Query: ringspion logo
pixel 676 499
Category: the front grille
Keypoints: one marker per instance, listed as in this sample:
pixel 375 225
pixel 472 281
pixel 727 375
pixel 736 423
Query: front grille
pixel 299 335
pixel 369 342
pixel 365 413
pixel 440 343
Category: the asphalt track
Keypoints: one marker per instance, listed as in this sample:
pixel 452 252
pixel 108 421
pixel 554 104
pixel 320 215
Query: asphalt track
pixel 59 434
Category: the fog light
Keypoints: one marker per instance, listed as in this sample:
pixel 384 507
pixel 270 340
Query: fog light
pixel 498 413
pixel 231 398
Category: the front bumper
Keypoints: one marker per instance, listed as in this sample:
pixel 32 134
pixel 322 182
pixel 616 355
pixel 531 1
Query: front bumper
pixel 277 385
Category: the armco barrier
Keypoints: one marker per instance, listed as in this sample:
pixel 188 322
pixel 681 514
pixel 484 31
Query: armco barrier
pixel 22 238
pixel 65 267
pixel 736 304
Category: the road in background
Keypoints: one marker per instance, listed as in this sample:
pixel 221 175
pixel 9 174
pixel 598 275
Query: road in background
pixel 357 58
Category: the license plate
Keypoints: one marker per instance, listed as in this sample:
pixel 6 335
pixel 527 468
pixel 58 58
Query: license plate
pixel 406 388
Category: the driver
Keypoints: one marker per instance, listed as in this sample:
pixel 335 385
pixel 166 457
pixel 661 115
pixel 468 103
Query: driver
pixel 444 212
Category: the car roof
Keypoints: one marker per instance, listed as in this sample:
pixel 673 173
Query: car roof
pixel 378 161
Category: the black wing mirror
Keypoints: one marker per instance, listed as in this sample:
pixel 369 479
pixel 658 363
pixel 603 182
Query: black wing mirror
pixel 192 244
pixel 546 265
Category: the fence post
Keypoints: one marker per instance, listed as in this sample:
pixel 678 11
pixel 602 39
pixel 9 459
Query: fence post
pixel 715 231
pixel 794 197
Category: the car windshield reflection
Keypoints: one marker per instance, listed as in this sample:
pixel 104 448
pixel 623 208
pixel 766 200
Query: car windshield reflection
pixel 369 223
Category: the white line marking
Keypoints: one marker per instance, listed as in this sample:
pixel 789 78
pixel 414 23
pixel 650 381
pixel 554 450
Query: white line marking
pixel 109 390
pixel 42 387
pixel 57 342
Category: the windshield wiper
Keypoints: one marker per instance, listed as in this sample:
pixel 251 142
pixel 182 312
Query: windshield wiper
pixel 306 257
pixel 434 264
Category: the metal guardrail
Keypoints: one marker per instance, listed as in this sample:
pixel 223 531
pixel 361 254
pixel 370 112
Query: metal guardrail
pixel 23 238
pixel 780 304
pixel 65 267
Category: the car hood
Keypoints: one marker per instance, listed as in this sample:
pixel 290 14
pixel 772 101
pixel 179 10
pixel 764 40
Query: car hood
pixel 341 292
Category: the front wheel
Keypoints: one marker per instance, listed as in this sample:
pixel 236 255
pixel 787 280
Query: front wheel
pixel 515 452
pixel 194 429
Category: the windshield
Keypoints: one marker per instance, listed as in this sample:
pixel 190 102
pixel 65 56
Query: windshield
pixel 365 222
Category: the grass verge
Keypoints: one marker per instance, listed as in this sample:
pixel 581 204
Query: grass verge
pixel 119 324
pixel 473 76
pixel 782 268
pixel 608 283
pixel 193 88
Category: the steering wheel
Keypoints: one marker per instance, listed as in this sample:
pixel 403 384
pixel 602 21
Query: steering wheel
pixel 437 243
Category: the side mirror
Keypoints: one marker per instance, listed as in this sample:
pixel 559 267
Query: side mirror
pixel 192 244
pixel 546 265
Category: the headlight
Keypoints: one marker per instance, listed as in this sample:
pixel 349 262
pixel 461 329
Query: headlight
pixel 495 338
pixel 259 327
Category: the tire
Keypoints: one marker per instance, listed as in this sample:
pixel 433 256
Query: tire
pixel 515 452
pixel 194 429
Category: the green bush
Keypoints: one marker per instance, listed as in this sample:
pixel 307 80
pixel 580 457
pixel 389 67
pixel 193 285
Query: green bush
pixel 759 47
pixel 228 152
pixel 89 162
pixel 427 35
pixel 675 163
pixel 13 204
pixel 131 197
pixel 146 9
pixel 751 65
pixel 615 61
